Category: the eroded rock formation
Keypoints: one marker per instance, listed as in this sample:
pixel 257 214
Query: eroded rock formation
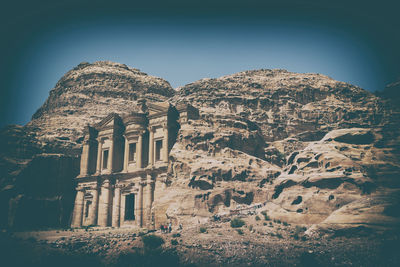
pixel 314 150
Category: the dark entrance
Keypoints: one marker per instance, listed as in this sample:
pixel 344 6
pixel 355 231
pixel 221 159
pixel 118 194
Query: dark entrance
pixel 159 145
pixel 88 203
pixel 130 207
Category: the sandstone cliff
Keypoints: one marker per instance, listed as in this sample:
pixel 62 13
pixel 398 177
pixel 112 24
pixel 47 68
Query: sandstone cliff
pixel 90 92
pixel 316 151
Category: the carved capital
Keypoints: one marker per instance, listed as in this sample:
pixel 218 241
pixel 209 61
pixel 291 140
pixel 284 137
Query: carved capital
pixel 100 140
pixel 105 183
pixel 150 177
pixel 119 187
pixel 150 182
pixel 80 188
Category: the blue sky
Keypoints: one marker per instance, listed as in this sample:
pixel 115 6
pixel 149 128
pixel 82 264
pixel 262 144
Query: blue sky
pixel 182 49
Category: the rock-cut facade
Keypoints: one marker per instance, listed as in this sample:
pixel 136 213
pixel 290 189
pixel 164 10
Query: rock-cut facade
pixel 124 164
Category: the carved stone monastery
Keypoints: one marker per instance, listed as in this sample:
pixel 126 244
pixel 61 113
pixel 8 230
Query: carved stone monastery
pixel 124 165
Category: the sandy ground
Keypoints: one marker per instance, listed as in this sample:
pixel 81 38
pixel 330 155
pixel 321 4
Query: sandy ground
pixel 258 243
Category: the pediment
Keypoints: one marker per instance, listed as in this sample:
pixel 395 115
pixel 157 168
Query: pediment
pixel 110 121
pixel 159 107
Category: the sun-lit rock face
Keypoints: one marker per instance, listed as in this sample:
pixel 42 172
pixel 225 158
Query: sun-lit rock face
pixel 314 150
pixel 284 104
pixel 307 145
pixel 332 178
pixel 90 92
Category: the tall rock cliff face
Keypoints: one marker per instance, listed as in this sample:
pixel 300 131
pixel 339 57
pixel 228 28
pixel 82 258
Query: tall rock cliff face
pixel 316 151
pixel 90 92
pixel 284 104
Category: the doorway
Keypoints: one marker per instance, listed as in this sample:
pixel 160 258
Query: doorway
pixel 130 207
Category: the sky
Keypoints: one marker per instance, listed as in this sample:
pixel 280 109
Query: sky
pixel 184 41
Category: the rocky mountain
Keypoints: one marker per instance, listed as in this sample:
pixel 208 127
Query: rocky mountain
pixel 310 149
pixel 318 151
pixel 84 95
pixel 90 92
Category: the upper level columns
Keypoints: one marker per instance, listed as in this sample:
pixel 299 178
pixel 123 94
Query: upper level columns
pixel 126 154
pixel 85 158
pixel 89 149
pixel 139 149
pixel 151 146
pixel 105 155
pixel 99 155
pixel 165 143
pixel 110 166
pixel 133 151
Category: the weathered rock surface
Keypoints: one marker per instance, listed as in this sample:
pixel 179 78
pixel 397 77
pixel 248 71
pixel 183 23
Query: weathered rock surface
pixel 284 104
pixel 314 150
pixel 342 180
pixel 90 92
pixel 327 148
pixel 39 192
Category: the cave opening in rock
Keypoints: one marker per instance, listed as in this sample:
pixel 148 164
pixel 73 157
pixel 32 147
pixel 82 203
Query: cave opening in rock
pixel 298 200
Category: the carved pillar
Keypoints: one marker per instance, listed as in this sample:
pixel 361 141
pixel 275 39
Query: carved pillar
pixel 122 210
pixel 85 159
pixel 165 145
pixel 126 155
pixel 78 208
pixel 149 201
pixel 139 206
pixel 99 155
pixel 104 204
pixel 116 207
pixel 94 208
pixel 151 147
pixel 111 155
pixel 139 151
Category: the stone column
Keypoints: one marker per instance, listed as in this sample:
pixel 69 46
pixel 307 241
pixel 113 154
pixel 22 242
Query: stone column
pixel 165 143
pixel 126 155
pixel 151 147
pixel 122 210
pixel 139 148
pixel 99 155
pixel 84 159
pixel 78 208
pixel 94 207
pixel 116 206
pixel 139 206
pixel 104 204
pixel 111 155
pixel 149 200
